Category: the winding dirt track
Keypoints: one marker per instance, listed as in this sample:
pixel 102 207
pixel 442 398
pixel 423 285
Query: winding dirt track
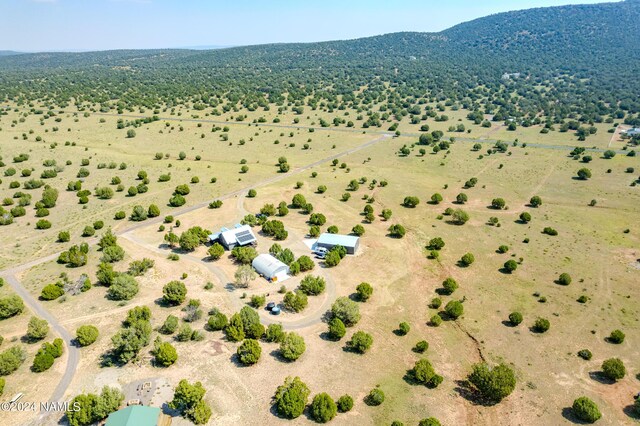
pixel 73 353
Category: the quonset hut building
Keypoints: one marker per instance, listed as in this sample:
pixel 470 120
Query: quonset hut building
pixel 270 267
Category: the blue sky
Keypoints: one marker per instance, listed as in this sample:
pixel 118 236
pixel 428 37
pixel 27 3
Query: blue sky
pixel 46 25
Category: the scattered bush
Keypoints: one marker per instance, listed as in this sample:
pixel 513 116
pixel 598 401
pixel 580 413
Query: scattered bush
pixel 249 352
pixel 291 398
pixel 375 397
pixel 585 354
pixel 423 373
pixel 564 279
pixel 493 384
pixel 515 318
pixel 174 293
pixel 345 403
pixel 360 342
pixel 346 310
pixel 614 369
pixel 616 337
pixel 541 325
pixel 454 309
pixel 323 408
pixel 364 290
pixel 586 410
pixel 292 346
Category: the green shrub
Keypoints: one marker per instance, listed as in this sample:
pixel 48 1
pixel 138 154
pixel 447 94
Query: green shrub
pixel 165 354
pixel 360 342
pixel 295 302
pixel 11 306
pixel 421 347
pixel 430 421
pixel 323 408
pixel 337 329
pixel 291 398
pixel 564 279
pixel 515 318
pixel 346 310
pixel 249 352
pixel 37 329
pixel 274 333
pixel 375 397
pixel 614 369
pixel 510 266
pixel 586 410
pixel 449 285
pixel 43 224
pixel 423 373
pixel 364 290
pixel 585 354
pixel 345 403
pixel 404 328
pixel 174 293
pixel 616 337
pixel 123 287
pixel 52 291
pixel 86 335
pixel 312 285
pixel 493 384
pixel 467 259
pixel 541 325
pixel 435 320
pixel 454 309
pixel 292 346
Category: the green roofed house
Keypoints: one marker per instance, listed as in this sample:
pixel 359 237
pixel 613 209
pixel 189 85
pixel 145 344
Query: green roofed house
pixel 138 415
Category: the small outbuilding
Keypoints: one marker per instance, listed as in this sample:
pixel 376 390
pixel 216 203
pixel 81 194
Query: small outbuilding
pixel 240 235
pixel 270 267
pixel 329 241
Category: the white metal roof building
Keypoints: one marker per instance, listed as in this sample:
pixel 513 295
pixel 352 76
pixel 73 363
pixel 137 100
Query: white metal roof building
pixel 329 241
pixel 238 236
pixel 270 267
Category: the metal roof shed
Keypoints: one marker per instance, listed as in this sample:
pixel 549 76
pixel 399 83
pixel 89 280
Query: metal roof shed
pixel 270 267
pixel 329 241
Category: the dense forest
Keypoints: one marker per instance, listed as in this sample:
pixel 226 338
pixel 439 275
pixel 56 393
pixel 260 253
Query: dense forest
pixel 535 66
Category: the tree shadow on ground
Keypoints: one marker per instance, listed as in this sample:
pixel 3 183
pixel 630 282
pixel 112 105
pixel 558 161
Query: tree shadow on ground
pixel 278 356
pixel 631 411
pixel 235 360
pixel 567 413
pixel 466 391
pixel 327 337
pixel 599 377
pixel 410 379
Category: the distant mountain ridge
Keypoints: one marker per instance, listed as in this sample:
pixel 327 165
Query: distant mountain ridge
pixel 597 43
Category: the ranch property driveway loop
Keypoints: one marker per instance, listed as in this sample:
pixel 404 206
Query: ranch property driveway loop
pixel 73 353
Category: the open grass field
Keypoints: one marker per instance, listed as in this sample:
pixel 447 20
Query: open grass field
pixel 591 245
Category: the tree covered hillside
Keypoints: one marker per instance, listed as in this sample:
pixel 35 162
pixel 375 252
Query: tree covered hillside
pixel 575 62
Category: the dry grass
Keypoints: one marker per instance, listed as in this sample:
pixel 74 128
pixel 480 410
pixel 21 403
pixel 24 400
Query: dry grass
pixel 591 246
